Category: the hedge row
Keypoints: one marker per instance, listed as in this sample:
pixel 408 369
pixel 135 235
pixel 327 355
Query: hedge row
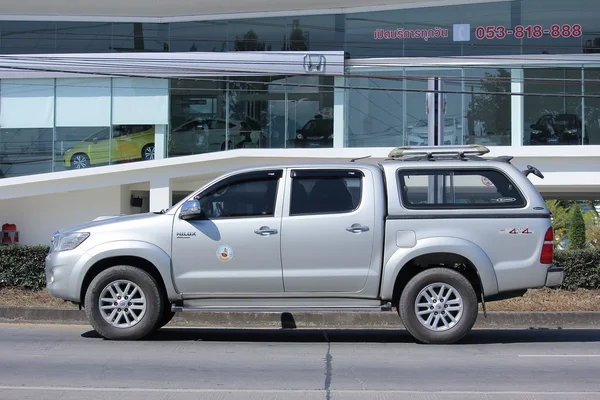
pixel 582 268
pixel 23 267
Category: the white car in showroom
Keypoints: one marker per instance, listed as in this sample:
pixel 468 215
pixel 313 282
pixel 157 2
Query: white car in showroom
pixel 418 133
pixel 204 135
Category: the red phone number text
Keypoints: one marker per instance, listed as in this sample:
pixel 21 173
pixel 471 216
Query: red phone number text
pixel 528 31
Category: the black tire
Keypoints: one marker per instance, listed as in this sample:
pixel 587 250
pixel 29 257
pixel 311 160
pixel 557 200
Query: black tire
pixel 80 161
pixel 465 321
pixel 148 152
pixel 153 301
pixel 167 315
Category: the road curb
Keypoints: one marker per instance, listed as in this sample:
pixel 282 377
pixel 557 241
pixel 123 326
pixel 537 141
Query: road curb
pixel 316 320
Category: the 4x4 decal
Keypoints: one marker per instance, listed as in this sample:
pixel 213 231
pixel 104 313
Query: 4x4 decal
pixel 516 231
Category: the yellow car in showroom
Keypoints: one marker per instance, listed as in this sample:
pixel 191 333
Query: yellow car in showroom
pixel 129 143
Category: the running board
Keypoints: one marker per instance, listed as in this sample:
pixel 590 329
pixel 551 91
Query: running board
pixel 283 308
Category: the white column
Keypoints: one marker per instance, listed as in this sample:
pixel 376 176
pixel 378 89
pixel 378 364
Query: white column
pixel 160 193
pixel 160 134
pixel 516 107
pixel 339 119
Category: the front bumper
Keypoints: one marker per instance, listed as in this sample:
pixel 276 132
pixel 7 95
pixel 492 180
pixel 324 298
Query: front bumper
pixel 555 276
pixel 62 271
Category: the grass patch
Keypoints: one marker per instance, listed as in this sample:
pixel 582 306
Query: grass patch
pixel 550 300
pixel 534 300
pixel 25 298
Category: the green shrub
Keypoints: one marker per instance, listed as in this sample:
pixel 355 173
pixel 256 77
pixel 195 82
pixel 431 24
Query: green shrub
pixel 576 229
pixel 582 268
pixel 22 267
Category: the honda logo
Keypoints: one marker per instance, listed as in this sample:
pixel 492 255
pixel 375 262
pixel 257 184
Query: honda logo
pixel 314 63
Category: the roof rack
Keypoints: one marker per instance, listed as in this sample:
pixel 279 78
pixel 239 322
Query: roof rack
pixel 431 151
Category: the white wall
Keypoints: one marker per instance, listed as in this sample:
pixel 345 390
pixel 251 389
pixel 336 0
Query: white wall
pixel 38 217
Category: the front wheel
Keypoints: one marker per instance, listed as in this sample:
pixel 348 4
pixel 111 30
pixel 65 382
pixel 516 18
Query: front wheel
pixel 124 303
pixel 148 152
pixel 167 315
pixel 80 161
pixel 438 306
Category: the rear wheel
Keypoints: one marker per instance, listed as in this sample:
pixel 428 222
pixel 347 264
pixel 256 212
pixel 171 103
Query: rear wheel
pixel 438 306
pixel 124 303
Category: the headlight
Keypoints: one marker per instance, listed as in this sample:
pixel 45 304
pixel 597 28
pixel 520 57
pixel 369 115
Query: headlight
pixel 68 241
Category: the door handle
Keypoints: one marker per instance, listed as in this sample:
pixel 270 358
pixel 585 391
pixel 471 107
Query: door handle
pixel 356 228
pixel 265 231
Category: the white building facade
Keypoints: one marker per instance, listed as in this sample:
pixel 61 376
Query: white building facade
pixel 118 109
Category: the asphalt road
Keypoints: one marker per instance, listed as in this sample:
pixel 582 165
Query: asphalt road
pixel 73 363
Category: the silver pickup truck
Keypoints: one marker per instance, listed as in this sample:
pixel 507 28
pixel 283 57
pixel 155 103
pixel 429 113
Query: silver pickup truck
pixel 429 233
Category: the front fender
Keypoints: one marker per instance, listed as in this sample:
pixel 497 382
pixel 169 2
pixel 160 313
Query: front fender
pixel 127 248
pixel 462 247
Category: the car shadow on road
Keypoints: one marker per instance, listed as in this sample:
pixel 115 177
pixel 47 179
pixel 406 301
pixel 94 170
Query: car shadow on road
pixel 477 336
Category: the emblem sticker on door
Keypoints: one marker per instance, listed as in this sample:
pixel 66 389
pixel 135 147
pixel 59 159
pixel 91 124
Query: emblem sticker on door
pixel 225 253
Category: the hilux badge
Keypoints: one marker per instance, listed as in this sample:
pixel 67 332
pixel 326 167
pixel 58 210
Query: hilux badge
pixel 185 235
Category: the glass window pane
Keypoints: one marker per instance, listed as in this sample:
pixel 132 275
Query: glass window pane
pixel 197 108
pixel 85 147
pixel 25 151
pixel 488 112
pixel 564 30
pixel 83 37
pixel 249 104
pixel 552 106
pixel 28 37
pixel 315 33
pixel 261 34
pixel 241 199
pixel 140 101
pixel 82 147
pixel 198 36
pixel 374 112
pixel 310 111
pixel 325 195
pixel 592 105
pixel 83 102
pixel 458 189
pixel 132 143
pixel 27 103
pixel 137 36
pixel 417 117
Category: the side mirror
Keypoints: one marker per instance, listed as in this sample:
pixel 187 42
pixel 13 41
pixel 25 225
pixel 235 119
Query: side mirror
pixel 190 209
pixel 95 140
pixel 298 130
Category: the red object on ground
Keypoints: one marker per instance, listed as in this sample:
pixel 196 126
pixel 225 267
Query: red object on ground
pixel 9 227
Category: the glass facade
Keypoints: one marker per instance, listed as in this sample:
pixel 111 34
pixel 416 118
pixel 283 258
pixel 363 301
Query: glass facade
pixel 389 108
pixel 489 28
pixel 252 112
pixel 51 125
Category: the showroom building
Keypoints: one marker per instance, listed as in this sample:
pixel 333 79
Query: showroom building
pixel 116 109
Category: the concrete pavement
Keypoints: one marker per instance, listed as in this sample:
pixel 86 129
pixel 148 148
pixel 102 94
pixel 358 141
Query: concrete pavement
pixel 73 362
